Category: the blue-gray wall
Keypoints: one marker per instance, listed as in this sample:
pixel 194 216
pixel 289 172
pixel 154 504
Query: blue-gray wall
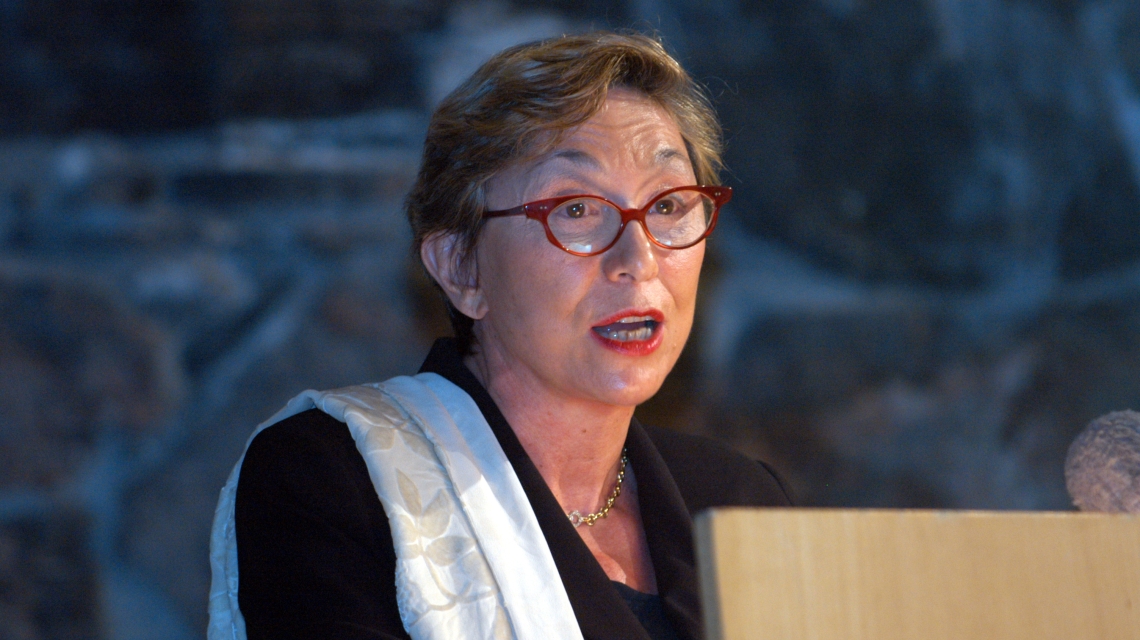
pixel 924 288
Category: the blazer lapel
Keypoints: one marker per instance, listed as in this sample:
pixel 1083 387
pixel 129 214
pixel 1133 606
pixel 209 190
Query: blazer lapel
pixel 669 533
pixel 602 613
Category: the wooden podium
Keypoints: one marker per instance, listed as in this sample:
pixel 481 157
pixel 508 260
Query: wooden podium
pixel 823 574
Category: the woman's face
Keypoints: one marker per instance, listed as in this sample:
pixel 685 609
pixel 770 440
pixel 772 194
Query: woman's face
pixel 607 328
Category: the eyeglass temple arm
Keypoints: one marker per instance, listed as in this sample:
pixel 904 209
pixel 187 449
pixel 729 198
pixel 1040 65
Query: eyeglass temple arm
pixel 513 211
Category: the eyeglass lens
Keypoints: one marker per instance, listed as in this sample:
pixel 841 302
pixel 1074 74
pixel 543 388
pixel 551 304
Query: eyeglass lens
pixel 588 224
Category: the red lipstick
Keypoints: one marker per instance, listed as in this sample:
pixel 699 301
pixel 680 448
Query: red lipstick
pixel 634 332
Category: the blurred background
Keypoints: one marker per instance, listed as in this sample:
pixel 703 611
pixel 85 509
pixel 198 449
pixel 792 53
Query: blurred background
pixel 925 287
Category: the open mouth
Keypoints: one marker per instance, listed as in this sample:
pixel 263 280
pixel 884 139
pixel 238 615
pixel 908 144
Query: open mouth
pixel 629 329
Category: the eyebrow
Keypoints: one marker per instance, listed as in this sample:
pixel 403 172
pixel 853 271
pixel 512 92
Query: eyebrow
pixel 575 156
pixel 584 159
pixel 668 153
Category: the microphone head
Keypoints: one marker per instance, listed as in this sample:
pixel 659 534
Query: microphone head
pixel 1102 469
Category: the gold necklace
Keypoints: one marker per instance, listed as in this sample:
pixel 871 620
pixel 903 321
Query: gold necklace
pixel 576 517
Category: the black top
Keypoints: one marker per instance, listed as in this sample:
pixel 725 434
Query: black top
pixel 649 610
pixel 315 554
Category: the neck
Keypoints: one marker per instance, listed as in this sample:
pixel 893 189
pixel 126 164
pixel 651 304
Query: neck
pixel 575 443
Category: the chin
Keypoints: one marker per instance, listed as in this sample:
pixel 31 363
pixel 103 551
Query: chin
pixel 629 387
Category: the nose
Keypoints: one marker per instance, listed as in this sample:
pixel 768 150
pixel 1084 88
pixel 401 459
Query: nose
pixel 633 257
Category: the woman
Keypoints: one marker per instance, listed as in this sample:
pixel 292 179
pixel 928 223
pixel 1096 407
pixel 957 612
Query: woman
pixel 558 209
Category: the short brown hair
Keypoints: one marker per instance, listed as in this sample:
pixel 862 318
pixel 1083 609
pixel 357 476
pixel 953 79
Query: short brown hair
pixel 519 104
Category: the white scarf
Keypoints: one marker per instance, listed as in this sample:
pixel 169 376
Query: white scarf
pixel 471 560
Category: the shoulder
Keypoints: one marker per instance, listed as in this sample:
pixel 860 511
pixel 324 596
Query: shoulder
pixel 305 458
pixel 313 429
pixel 303 484
pixel 710 473
pixel 315 550
pixel 298 441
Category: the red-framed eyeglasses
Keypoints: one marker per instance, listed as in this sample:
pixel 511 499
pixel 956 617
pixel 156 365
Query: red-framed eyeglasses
pixel 586 225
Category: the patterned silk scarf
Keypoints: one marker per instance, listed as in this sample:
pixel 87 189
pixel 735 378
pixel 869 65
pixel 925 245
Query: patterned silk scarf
pixel 471 560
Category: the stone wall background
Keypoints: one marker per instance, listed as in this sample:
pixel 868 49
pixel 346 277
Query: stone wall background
pixel 925 287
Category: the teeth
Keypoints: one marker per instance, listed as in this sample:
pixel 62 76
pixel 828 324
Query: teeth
pixel 616 332
pixel 632 319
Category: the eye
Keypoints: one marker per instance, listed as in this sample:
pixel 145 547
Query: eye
pixel 581 209
pixel 664 207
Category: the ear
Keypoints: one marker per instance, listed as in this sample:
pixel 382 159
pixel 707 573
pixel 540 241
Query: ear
pixel 443 258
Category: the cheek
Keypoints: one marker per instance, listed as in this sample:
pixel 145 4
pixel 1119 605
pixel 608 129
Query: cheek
pixel 681 273
pixel 525 280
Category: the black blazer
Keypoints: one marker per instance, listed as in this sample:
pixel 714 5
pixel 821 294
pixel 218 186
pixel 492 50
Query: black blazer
pixel 315 554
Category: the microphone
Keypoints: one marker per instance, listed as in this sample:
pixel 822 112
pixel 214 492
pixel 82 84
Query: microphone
pixel 1102 469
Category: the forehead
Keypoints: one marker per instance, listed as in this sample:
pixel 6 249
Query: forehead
pixel 630 130
pixel 629 113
